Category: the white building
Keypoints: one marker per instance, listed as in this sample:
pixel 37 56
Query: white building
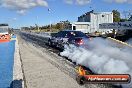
pixel 90 21
pixel 4 28
pixel 82 26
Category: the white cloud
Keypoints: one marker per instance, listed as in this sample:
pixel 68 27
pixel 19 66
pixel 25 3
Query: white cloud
pixel 119 1
pixel 78 2
pixel 69 1
pixel 21 6
pixel 14 19
pixel 82 2
pixel 23 11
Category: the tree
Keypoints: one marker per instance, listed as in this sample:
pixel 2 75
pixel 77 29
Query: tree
pixel 123 20
pixel 58 26
pixel 116 16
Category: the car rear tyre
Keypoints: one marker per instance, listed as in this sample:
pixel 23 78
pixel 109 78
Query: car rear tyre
pixel 80 80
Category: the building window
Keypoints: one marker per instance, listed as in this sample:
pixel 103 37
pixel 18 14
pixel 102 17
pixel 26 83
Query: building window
pixel 102 15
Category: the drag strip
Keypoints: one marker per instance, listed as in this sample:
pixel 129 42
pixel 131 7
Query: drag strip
pixel 66 66
pixel 41 69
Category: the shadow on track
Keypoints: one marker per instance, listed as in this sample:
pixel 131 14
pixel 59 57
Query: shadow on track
pixel 16 84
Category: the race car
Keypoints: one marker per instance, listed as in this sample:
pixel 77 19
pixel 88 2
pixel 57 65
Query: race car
pixel 77 38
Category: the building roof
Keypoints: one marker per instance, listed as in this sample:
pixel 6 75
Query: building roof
pixel 81 22
pixel 102 12
pixel 3 24
pixel 95 13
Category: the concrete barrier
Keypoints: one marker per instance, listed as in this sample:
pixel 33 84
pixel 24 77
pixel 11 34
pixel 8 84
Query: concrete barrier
pixel 120 42
pixel 18 81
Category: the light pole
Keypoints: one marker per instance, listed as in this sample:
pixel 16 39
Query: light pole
pixel 49 10
pixel 37 25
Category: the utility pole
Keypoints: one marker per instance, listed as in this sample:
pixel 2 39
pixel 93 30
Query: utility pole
pixel 50 19
pixel 37 24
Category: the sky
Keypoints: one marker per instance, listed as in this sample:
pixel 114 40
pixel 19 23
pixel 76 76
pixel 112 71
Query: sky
pixel 18 13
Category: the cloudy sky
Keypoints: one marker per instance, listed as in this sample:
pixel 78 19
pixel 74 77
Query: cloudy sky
pixel 30 12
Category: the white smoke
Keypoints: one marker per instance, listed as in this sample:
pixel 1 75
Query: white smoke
pixel 21 6
pixel 102 57
pixel 129 41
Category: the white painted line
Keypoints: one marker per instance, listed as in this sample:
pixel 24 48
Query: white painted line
pixel 118 41
pixel 17 69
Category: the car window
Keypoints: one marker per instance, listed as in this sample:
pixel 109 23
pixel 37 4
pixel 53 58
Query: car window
pixel 59 34
pixel 80 34
pixel 68 34
pixel 71 34
pixel 76 34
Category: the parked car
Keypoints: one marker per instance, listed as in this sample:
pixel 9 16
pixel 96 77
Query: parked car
pixel 77 38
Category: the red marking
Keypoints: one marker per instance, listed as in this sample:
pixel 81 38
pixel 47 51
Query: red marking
pixel 4 38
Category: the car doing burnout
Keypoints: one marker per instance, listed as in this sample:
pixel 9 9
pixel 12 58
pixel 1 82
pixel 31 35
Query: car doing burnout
pixel 77 38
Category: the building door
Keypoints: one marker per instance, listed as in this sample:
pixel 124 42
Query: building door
pixel 74 27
